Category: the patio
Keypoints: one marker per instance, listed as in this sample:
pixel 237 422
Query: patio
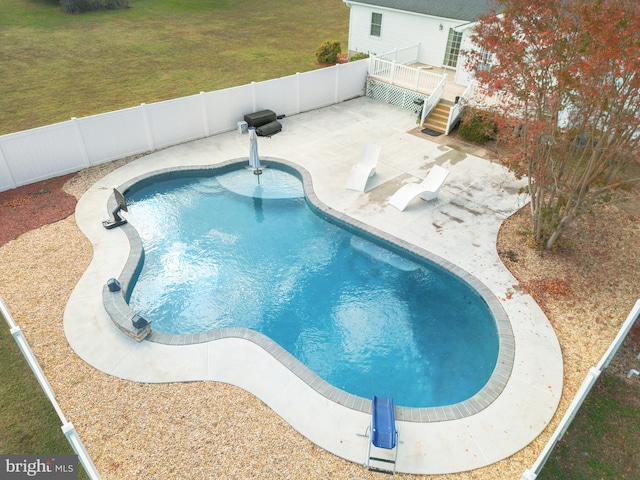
pixel 461 227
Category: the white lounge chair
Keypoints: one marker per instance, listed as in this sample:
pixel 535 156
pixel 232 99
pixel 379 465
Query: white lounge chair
pixel 428 189
pixel 365 168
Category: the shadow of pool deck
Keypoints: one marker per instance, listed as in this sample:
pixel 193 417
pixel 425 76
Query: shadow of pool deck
pixel 461 226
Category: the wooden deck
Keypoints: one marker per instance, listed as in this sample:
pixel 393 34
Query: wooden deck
pixel 417 77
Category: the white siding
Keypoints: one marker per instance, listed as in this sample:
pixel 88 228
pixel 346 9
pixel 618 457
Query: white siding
pixel 400 30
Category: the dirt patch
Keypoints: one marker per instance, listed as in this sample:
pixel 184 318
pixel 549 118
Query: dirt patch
pixel 26 208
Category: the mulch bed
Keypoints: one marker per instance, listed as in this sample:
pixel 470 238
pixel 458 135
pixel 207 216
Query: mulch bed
pixel 26 208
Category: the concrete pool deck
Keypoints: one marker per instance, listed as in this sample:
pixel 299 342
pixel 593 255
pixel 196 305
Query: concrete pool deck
pixel 461 227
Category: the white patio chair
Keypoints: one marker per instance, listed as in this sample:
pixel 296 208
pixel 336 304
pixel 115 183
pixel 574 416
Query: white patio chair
pixel 428 189
pixel 365 168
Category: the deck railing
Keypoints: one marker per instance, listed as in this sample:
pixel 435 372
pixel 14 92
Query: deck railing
pixel 456 110
pixel 435 97
pixel 412 78
pixel 402 55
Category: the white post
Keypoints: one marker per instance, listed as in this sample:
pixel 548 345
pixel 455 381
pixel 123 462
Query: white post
pixel 81 144
pixel 337 84
pixel 205 118
pixel 72 436
pixel 253 97
pixel 4 166
pixel 147 127
pixel 297 92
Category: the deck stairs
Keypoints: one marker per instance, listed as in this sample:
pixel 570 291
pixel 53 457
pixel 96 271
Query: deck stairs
pixel 439 116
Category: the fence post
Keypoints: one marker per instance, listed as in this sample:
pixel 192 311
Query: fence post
pixel 297 92
pixel 337 84
pixel 81 144
pixel 5 166
pixel 147 127
pixel 74 439
pixel 205 117
pixel 253 96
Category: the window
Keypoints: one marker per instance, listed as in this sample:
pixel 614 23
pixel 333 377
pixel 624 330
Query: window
pixel 486 60
pixel 453 48
pixel 376 24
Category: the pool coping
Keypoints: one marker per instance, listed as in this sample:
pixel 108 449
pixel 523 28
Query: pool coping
pixel 122 315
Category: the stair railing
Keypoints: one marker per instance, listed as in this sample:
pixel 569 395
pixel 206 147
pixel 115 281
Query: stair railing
pixel 457 109
pixel 433 99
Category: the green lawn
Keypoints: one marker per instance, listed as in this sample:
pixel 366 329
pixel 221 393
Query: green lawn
pixel 603 440
pixel 54 66
pixel 28 422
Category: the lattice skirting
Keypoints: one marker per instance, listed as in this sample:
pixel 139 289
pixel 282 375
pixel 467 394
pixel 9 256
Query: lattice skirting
pixel 400 97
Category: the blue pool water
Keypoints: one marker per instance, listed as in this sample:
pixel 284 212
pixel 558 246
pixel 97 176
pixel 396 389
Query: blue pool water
pixel 222 251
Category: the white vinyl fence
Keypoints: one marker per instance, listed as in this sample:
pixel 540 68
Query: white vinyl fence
pixel 46 152
pixel 67 427
pixel 583 391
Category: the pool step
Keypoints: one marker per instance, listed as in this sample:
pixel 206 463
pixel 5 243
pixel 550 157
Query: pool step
pixel 210 186
pixel 383 255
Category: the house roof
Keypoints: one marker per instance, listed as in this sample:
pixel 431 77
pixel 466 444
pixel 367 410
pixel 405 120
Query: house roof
pixel 468 10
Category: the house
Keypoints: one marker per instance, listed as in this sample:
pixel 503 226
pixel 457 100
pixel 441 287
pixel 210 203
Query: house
pixel 440 29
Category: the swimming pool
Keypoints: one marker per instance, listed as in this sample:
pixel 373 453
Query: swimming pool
pixel 364 318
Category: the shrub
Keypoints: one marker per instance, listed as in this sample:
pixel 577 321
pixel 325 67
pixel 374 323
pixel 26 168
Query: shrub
pixel 358 56
pixel 328 52
pixel 478 126
pixel 82 6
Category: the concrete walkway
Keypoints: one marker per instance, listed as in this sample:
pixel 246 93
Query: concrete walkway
pixel 461 226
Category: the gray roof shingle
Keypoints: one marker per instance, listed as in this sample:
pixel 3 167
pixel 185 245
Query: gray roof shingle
pixel 468 10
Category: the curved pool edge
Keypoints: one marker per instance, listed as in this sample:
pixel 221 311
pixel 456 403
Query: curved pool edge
pixel 121 314
pixel 511 422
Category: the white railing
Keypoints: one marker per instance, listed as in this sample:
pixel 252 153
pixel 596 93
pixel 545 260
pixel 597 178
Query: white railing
pixel 412 78
pixel 402 55
pixel 497 99
pixel 433 99
pixel 583 391
pixel 67 427
pixel 46 152
pixel 457 109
